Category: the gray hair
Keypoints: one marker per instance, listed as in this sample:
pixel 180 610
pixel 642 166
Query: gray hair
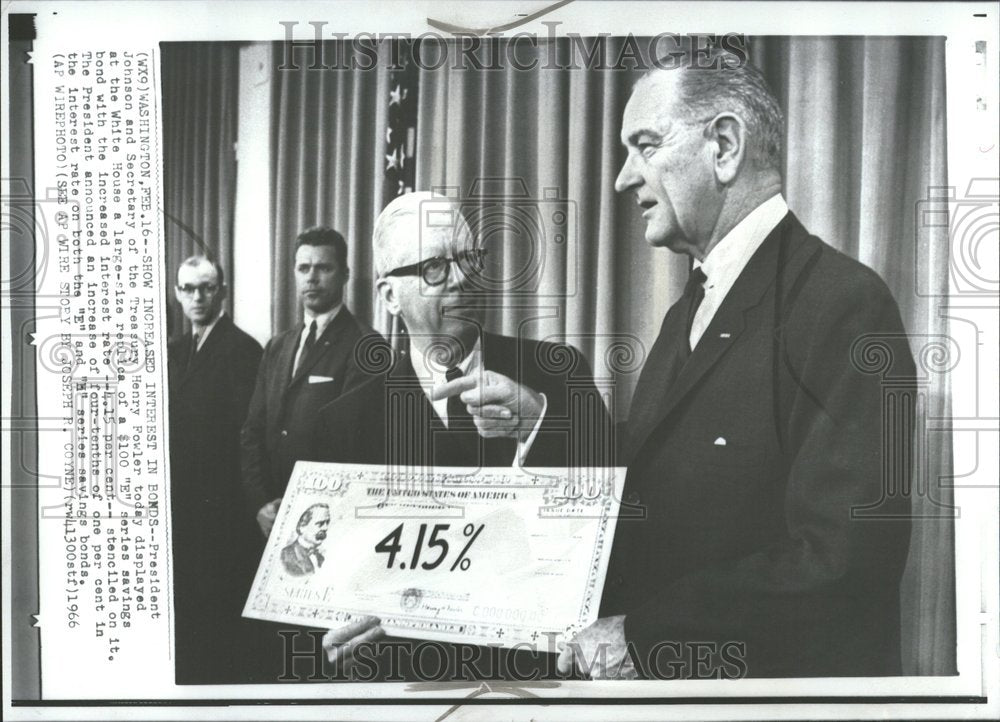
pixel 728 83
pixel 416 213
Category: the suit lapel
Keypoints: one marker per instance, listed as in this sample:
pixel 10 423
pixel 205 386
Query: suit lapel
pixel 182 361
pixel 286 356
pixel 653 382
pixel 411 429
pixel 405 380
pixel 499 356
pixel 326 343
pixel 727 325
pixel 208 348
pixel 305 563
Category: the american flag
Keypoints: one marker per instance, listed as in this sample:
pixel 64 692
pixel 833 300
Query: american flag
pixel 401 129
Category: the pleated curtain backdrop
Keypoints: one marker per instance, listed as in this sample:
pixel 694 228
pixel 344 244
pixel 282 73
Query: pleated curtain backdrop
pixel 866 140
pixel 200 92
pixel 865 143
pixel 553 135
pixel 328 133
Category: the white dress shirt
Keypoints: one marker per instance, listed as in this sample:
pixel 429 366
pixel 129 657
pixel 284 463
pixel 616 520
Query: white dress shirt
pixel 322 321
pixel 202 331
pixel 724 263
pixel 431 374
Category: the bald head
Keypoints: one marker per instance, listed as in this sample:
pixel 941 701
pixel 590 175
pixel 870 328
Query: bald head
pixel 413 229
pixel 412 224
pixel 200 289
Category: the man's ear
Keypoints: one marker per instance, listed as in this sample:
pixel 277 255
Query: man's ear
pixel 729 133
pixel 387 293
pixel 177 295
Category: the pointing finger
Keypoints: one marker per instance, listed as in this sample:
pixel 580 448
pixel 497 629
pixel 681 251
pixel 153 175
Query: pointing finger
pixel 500 394
pixel 458 386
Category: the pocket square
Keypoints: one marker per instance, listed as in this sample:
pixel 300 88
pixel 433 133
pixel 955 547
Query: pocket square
pixel 320 379
pixel 721 441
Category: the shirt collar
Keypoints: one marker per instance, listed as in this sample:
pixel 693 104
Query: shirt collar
pixel 308 549
pixel 322 319
pixel 726 261
pixel 431 373
pixel 203 331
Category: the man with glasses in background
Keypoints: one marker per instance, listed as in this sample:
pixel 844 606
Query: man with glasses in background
pixel 211 377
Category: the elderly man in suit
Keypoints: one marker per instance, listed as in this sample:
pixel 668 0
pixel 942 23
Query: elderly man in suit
pixel 211 372
pixel 486 399
pixel 302 370
pixel 457 395
pixel 755 440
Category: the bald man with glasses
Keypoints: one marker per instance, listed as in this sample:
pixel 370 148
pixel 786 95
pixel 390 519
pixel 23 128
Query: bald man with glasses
pixel 486 399
pixel 456 394
pixel 211 373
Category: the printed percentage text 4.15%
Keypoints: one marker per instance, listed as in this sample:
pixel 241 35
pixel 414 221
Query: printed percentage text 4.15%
pixel 392 545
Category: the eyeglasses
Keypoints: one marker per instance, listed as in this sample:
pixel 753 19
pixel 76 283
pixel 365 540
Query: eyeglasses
pixel 208 289
pixel 435 270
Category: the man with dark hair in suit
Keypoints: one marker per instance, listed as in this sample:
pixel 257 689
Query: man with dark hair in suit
pixel 303 369
pixel 302 556
pixel 457 395
pixel 755 439
pixel 211 376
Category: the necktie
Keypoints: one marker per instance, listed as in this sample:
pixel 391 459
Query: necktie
pixel 668 356
pixel 194 348
pixel 694 292
pixel 458 415
pixel 461 429
pixel 306 347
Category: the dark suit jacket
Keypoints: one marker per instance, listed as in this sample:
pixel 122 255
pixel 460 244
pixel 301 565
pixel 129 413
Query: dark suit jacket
pixel 576 430
pixel 214 543
pixel 357 428
pixel 283 411
pixel 785 538
pixel 296 560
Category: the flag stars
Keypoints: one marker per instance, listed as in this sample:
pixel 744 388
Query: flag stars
pixel 397 95
pixel 395 159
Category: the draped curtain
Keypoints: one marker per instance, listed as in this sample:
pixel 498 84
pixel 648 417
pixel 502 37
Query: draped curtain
pixel 865 142
pixel 327 139
pixel 200 92
pixel 551 136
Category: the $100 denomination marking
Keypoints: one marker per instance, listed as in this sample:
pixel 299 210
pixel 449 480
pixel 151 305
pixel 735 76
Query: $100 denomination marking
pixel 392 545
